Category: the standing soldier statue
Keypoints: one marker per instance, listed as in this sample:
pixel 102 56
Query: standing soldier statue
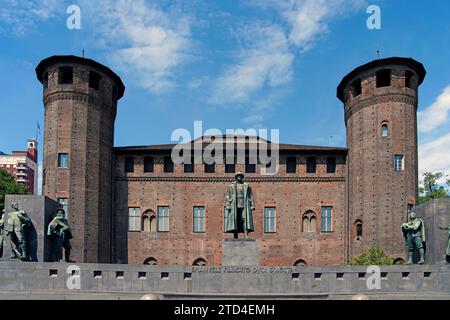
pixel 414 234
pixel 447 252
pixel 18 220
pixel 60 233
pixel 2 223
pixel 239 207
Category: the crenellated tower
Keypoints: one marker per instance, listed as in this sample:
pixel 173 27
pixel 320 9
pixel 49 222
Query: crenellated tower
pixel 80 99
pixel 380 102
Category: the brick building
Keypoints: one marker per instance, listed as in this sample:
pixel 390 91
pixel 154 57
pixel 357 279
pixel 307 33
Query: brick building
pixel 322 207
pixel 22 165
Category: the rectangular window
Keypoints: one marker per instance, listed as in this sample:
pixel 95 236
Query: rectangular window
pixel 129 164
pixel 134 219
pixel 63 160
pixel 163 219
pixel 291 165
pixel 148 164
pixel 45 80
pixel 250 167
pixel 199 219
pixel 327 219
pixel 408 79
pixel 230 167
pixel 356 87
pixel 311 165
pixel 189 167
pixel 398 162
pixel 331 165
pixel 65 75
pixel 94 80
pixel 168 165
pixel 64 202
pixel 210 168
pixel 383 78
pixel 269 220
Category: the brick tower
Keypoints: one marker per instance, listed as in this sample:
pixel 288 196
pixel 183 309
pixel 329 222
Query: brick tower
pixel 380 105
pixel 80 99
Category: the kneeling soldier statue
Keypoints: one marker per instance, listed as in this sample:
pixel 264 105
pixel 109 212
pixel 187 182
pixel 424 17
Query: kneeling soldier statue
pixel 60 233
pixel 414 233
pixel 17 221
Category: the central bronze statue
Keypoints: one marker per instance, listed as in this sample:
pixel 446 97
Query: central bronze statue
pixel 239 207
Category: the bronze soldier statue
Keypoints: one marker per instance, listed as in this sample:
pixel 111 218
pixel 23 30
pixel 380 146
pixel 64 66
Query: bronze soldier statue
pixel 2 223
pixel 18 220
pixel 414 234
pixel 60 233
pixel 447 252
pixel 239 207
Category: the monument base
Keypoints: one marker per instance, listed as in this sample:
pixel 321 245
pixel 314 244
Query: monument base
pixel 40 210
pixel 240 252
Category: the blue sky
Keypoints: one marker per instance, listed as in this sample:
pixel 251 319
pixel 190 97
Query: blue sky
pixel 231 64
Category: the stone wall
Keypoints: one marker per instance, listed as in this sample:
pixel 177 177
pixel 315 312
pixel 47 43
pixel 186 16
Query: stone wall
pixel 210 281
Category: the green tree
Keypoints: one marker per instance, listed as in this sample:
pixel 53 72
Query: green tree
pixel 8 185
pixel 374 255
pixel 430 189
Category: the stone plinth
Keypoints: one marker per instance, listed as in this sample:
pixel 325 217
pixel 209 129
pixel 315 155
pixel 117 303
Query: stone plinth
pixel 436 216
pixel 41 210
pixel 240 252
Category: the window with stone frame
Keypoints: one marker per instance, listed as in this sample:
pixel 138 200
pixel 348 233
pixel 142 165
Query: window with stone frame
pixel 199 219
pixel 163 219
pixel 270 220
pixel 134 219
pixel 327 219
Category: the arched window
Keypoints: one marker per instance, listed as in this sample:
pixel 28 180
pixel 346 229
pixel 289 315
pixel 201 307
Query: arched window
pixel 300 263
pixel 309 222
pixel 199 262
pixel 399 261
pixel 148 221
pixel 358 229
pixel 384 129
pixel 151 261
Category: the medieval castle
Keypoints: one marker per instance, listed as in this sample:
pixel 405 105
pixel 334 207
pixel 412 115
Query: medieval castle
pixel 323 206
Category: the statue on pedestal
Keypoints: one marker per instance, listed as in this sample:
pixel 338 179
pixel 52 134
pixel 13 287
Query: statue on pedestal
pixel 414 234
pixel 18 220
pixel 60 233
pixel 239 207
pixel 447 252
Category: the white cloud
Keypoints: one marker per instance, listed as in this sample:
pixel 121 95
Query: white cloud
pixel 17 17
pixel 436 114
pixel 434 156
pixel 267 61
pixel 145 42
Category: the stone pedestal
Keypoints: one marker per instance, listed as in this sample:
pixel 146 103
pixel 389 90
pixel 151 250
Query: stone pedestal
pixel 41 210
pixel 436 216
pixel 240 252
